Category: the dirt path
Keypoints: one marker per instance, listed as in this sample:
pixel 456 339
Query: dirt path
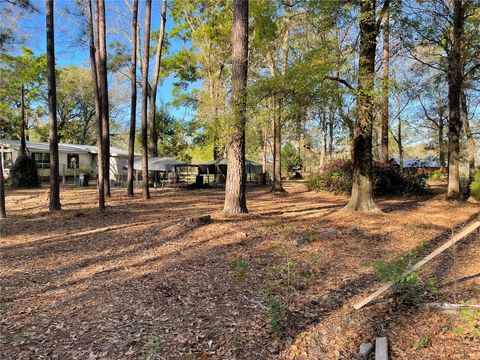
pixel 132 283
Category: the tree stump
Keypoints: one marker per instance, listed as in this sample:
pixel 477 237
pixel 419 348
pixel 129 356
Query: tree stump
pixel 195 220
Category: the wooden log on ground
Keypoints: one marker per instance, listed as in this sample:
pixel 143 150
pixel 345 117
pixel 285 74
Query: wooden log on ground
pixel 465 232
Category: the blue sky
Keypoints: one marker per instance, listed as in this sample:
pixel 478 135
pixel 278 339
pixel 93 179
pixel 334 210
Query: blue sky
pixel 69 53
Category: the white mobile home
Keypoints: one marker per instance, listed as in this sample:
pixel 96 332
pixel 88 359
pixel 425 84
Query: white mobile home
pixel 73 159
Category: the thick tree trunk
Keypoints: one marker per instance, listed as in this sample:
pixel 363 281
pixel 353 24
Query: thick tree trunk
pixel 146 55
pixel 385 78
pixel 98 111
pixel 103 82
pixel 235 201
pixel 362 190
pixel 3 213
pixel 133 101
pixel 154 85
pixel 52 110
pixel 471 147
pixel 454 78
pixel 23 146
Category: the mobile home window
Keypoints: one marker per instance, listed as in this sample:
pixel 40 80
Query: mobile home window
pixel 7 160
pixel 42 160
pixel 73 161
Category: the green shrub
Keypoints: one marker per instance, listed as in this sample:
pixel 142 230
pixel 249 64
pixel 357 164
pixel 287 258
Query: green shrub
pixel 240 265
pixel 291 159
pixel 438 175
pixel 470 327
pixel 277 311
pixel 337 177
pixel 475 186
pixel 23 173
pixel 408 289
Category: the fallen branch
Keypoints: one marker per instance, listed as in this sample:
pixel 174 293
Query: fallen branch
pixel 467 231
pixel 256 303
pixel 451 308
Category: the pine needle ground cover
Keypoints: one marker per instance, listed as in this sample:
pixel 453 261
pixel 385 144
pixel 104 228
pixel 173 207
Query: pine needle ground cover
pixel 134 284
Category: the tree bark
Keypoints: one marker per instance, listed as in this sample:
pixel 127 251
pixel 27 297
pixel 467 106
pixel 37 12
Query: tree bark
pixel 471 147
pixel 23 146
pixel 385 79
pixel 441 142
pixel 454 78
pixel 133 100
pixel 400 145
pixel 98 111
pixel 330 133
pixel 103 82
pixel 146 55
pixel 154 85
pixel 362 190
pixel 323 148
pixel 264 155
pixel 277 147
pixel 3 212
pixel 235 201
pixel 52 110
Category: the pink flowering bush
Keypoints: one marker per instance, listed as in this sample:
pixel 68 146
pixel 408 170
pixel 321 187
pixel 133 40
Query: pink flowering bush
pixel 337 177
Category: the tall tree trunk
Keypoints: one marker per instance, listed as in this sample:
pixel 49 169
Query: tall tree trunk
pixel 441 142
pixel 277 146
pixel 103 82
pixel 146 55
pixel 264 155
pixel 323 148
pixel 471 147
pixel 385 80
pixel 214 85
pixel 154 85
pixel 3 213
pixel 52 110
pixel 133 100
pixel 330 133
pixel 98 110
pixel 400 145
pixel 277 103
pixel 235 201
pixel 362 190
pixel 23 146
pixel 454 77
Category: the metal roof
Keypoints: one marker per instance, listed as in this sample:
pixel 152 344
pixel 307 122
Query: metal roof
pixel 45 147
pixel 427 162
pixel 157 164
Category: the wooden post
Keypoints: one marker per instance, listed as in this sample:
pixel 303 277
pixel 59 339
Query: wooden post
pixel 381 348
pixel 465 232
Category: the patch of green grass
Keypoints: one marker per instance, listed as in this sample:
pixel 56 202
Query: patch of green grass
pixel 153 348
pixel 278 313
pixel 240 265
pixel 423 342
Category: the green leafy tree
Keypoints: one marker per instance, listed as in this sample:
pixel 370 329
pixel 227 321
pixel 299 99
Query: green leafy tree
pixel 22 79
pixel 291 160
